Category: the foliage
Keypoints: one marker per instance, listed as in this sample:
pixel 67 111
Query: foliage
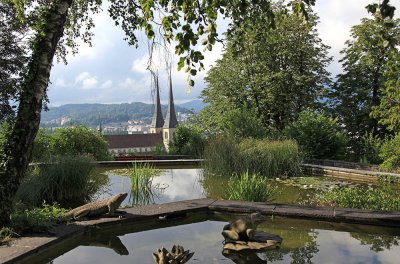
pixel 72 141
pixel 67 181
pixel 142 189
pixel 263 157
pixel 387 178
pixel 354 197
pixel 12 58
pixel 388 110
pixel 6 233
pixel 367 63
pixel 248 187
pixel 39 219
pixel 187 141
pixel 390 153
pixel 275 81
pixel 318 135
pixel 369 148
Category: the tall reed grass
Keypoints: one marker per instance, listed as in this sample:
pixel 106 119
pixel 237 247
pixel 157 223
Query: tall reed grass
pixel 142 188
pixel 249 188
pixel 68 181
pixel 268 158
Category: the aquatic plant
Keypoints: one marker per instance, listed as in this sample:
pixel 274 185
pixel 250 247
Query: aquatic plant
pixel 68 181
pixel 355 197
pixel 269 158
pixel 142 188
pixel 249 187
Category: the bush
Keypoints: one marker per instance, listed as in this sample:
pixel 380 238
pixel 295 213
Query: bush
pixel 41 219
pixel 390 153
pixel 369 149
pixel 70 141
pixel 352 197
pixel 248 187
pixel 68 181
pixel 263 157
pixel 318 136
pixel 187 141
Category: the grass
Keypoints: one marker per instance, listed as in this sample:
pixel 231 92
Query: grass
pixel 68 181
pixel 41 219
pixel 142 188
pixel 248 187
pixel 354 197
pixel 269 158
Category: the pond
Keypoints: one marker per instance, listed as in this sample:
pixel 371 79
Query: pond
pixel 304 241
pixel 183 184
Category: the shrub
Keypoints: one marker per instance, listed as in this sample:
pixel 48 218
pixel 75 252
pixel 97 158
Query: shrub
pixel 369 149
pixel 41 219
pixel 318 136
pixel 70 141
pixel 353 197
pixel 187 141
pixel 249 188
pixel 264 157
pixel 390 153
pixel 68 181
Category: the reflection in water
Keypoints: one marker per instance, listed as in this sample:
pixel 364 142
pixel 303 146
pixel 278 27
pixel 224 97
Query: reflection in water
pixel 111 242
pixel 303 242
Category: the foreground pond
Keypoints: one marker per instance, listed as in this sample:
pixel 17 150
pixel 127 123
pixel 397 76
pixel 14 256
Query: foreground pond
pixel 303 242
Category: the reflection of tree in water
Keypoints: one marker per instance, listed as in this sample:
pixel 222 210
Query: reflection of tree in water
pixel 298 255
pixel 378 242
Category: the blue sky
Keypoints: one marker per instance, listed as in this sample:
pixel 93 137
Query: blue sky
pixel 112 72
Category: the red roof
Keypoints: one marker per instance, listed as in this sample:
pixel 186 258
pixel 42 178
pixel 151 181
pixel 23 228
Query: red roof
pixel 133 140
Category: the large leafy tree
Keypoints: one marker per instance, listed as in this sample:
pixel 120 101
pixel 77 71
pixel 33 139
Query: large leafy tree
pixel 367 59
pixel 388 111
pixel 276 72
pixel 55 24
pixel 12 58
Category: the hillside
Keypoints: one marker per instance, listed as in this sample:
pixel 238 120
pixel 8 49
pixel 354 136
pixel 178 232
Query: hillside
pixel 89 114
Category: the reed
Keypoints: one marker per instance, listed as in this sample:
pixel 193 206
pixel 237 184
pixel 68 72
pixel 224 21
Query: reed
pixel 249 187
pixel 268 158
pixel 142 189
pixel 68 181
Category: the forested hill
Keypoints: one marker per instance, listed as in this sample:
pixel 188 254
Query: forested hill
pixel 88 114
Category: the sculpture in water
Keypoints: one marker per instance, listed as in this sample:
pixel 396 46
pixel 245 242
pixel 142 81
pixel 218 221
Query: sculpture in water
pixel 177 255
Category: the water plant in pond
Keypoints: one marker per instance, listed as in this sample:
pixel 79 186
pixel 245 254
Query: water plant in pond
pixel 355 197
pixel 269 158
pixel 142 188
pixel 249 187
pixel 68 181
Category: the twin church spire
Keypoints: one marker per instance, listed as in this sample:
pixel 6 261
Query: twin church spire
pixel 158 125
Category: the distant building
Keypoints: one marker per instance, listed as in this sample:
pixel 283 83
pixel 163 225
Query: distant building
pixel 160 131
pixel 120 145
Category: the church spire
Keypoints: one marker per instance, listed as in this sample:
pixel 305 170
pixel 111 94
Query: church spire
pixel 158 120
pixel 170 120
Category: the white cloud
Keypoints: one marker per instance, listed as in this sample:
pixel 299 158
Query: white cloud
pixel 86 80
pixel 60 82
pixel 106 84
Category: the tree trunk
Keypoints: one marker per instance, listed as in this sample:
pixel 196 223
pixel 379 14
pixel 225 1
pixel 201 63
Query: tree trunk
pixel 33 89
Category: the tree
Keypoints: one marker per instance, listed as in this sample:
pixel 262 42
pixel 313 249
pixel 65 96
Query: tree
pixel 12 58
pixel 275 80
pixel 187 141
pixel 388 111
pixel 366 62
pixel 318 136
pixel 56 24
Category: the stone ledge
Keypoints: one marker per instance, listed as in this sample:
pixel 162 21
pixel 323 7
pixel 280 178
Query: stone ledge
pixel 25 247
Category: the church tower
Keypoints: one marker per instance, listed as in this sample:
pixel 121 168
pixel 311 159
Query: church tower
pixel 170 121
pixel 158 120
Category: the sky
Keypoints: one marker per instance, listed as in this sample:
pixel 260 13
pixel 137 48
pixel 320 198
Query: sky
pixel 111 71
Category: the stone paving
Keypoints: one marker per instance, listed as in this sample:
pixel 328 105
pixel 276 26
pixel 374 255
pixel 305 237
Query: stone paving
pixel 21 248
